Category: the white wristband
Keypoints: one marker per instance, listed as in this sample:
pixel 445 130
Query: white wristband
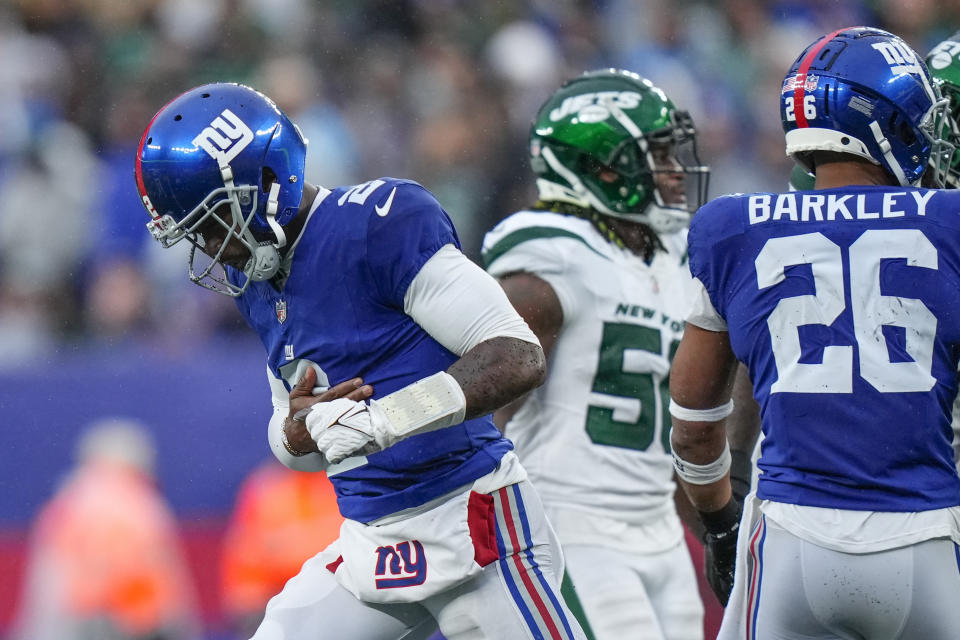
pixel 701 415
pixel 434 402
pixel 703 473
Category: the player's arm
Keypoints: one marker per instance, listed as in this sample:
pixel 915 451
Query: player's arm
pixel 688 515
pixel 701 386
pixel 743 430
pixel 538 305
pixel 464 309
pixel 287 432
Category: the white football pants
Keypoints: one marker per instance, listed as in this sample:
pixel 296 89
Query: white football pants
pixel 650 596
pixel 514 598
pixel 801 591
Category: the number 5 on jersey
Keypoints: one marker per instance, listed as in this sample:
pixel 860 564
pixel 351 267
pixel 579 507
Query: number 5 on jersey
pixel 631 388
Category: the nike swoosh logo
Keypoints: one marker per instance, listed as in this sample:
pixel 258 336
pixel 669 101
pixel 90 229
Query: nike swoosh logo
pixel 385 209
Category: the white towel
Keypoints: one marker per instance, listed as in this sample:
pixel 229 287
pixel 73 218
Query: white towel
pixel 734 623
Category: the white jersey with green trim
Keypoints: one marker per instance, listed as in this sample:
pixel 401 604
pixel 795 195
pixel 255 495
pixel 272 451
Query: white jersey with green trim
pixel 595 437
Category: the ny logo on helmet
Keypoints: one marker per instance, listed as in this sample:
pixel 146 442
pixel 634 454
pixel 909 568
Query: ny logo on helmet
pixel 225 138
pixel 900 57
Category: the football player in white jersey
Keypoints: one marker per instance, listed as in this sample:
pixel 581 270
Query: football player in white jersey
pixel 943 61
pixel 842 303
pixel 597 268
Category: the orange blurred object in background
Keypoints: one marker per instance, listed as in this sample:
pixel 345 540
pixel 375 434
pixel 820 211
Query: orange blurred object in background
pixel 282 518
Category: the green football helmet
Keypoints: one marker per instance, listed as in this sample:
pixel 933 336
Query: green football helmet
pixel 602 139
pixel 801 179
pixel 943 61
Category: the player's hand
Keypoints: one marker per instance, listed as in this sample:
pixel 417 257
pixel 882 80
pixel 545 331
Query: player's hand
pixel 302 398
pixel 720 548
pixel 344 427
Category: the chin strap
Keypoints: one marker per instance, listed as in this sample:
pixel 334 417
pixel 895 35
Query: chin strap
pixel 666 219
pixel 271 211
pixel 264 263
pixel 887 152
pixel 264 259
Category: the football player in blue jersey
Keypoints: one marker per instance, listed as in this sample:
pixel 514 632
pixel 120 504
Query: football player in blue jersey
pixel 842 303
pixel 387 349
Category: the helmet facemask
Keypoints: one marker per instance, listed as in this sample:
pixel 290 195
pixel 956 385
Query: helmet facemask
pixel 218 211
pixel 673 152
pixel 940 129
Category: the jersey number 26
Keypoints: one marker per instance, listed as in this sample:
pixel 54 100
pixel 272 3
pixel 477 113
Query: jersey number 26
pixel 870 309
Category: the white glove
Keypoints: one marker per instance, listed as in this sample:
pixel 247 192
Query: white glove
pixel 343 428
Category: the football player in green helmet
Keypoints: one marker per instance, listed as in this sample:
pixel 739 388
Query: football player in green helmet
pixel 944 64
pixel 943 61
pixel 611 146
pixel 597 268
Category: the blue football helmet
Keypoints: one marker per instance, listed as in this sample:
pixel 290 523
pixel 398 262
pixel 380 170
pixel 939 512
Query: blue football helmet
pixel 223 154
pixel 865 92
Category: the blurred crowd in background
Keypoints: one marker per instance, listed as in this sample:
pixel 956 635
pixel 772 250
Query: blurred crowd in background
pixel 439 91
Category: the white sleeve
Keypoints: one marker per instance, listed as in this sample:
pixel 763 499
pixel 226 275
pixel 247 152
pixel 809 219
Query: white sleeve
pixel 703 314
pixel 281 407
pixel 460 305
pixel 549 260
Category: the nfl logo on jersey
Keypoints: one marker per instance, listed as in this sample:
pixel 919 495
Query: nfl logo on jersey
pixel 281 311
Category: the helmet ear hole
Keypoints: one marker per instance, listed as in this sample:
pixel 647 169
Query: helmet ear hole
pixel 268 177
pixel 901 128
pixel 906 134
pixel 588 165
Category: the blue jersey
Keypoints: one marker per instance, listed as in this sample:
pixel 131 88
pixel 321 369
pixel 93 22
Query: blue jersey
pixel 341 308
pixel 845 306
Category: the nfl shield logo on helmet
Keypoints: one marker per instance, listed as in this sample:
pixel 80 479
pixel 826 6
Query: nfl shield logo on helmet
pixel 281 311
pixel 791 83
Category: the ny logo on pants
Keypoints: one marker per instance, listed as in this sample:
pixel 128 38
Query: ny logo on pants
pixel 409 564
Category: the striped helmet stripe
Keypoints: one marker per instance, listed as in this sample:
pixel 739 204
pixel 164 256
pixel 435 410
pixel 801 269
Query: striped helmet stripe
pixel 138 165
pixel 800 80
